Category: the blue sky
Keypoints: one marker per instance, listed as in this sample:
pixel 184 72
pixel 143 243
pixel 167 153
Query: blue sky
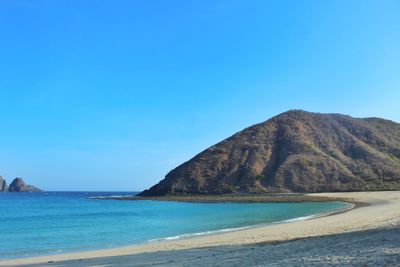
pixel 111 95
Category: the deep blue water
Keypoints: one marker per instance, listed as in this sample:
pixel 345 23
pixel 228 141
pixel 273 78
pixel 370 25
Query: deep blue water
pixel 57 222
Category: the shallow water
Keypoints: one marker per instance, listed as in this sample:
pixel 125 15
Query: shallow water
pixel 58 222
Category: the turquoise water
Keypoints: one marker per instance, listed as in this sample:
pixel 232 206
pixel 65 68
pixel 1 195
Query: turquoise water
pixel 58 222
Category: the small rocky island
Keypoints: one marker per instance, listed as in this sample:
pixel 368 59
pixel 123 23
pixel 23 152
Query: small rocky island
pixel 17 185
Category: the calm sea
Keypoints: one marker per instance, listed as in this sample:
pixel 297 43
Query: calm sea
pixel 58 222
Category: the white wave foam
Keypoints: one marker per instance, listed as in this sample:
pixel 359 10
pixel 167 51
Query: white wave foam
pixel 200 234
pixel 298 219
pixel 304 218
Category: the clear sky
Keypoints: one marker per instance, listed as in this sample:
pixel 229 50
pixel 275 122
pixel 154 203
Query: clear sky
pixel 111 95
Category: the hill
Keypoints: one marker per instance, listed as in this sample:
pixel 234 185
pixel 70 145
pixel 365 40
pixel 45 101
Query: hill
pixel 296 151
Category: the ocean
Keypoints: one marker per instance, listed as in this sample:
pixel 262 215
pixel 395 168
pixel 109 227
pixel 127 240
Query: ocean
pixel 34 224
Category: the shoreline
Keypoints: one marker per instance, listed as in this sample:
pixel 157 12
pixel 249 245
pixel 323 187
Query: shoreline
pixel 255 226
pixel 371 210
pixel 217 232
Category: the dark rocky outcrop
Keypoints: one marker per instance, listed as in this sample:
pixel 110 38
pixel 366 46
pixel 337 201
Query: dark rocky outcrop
pixel 19 185
pixel 296 151
pixel 3 185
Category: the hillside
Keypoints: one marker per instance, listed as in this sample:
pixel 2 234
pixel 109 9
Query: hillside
pixel 296 151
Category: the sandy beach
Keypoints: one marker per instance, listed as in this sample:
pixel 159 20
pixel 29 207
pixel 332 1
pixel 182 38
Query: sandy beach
pixel 369 229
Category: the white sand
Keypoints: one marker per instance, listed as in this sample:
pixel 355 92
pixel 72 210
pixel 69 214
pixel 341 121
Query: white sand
pixel 383 210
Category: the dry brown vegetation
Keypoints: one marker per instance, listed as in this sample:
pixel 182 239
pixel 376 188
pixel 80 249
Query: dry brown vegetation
pixel 296 151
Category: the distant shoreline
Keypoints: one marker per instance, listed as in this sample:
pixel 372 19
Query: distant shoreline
pixel 237 198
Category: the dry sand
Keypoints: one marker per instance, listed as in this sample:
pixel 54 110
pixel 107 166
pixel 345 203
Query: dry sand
pixel 258 246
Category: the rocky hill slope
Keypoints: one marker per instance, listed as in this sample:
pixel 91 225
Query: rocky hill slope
pixel 296 151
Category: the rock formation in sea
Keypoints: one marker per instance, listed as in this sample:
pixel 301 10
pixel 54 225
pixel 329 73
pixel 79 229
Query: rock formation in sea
pixel 3 185
pixel 296 151
pixel 19 185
